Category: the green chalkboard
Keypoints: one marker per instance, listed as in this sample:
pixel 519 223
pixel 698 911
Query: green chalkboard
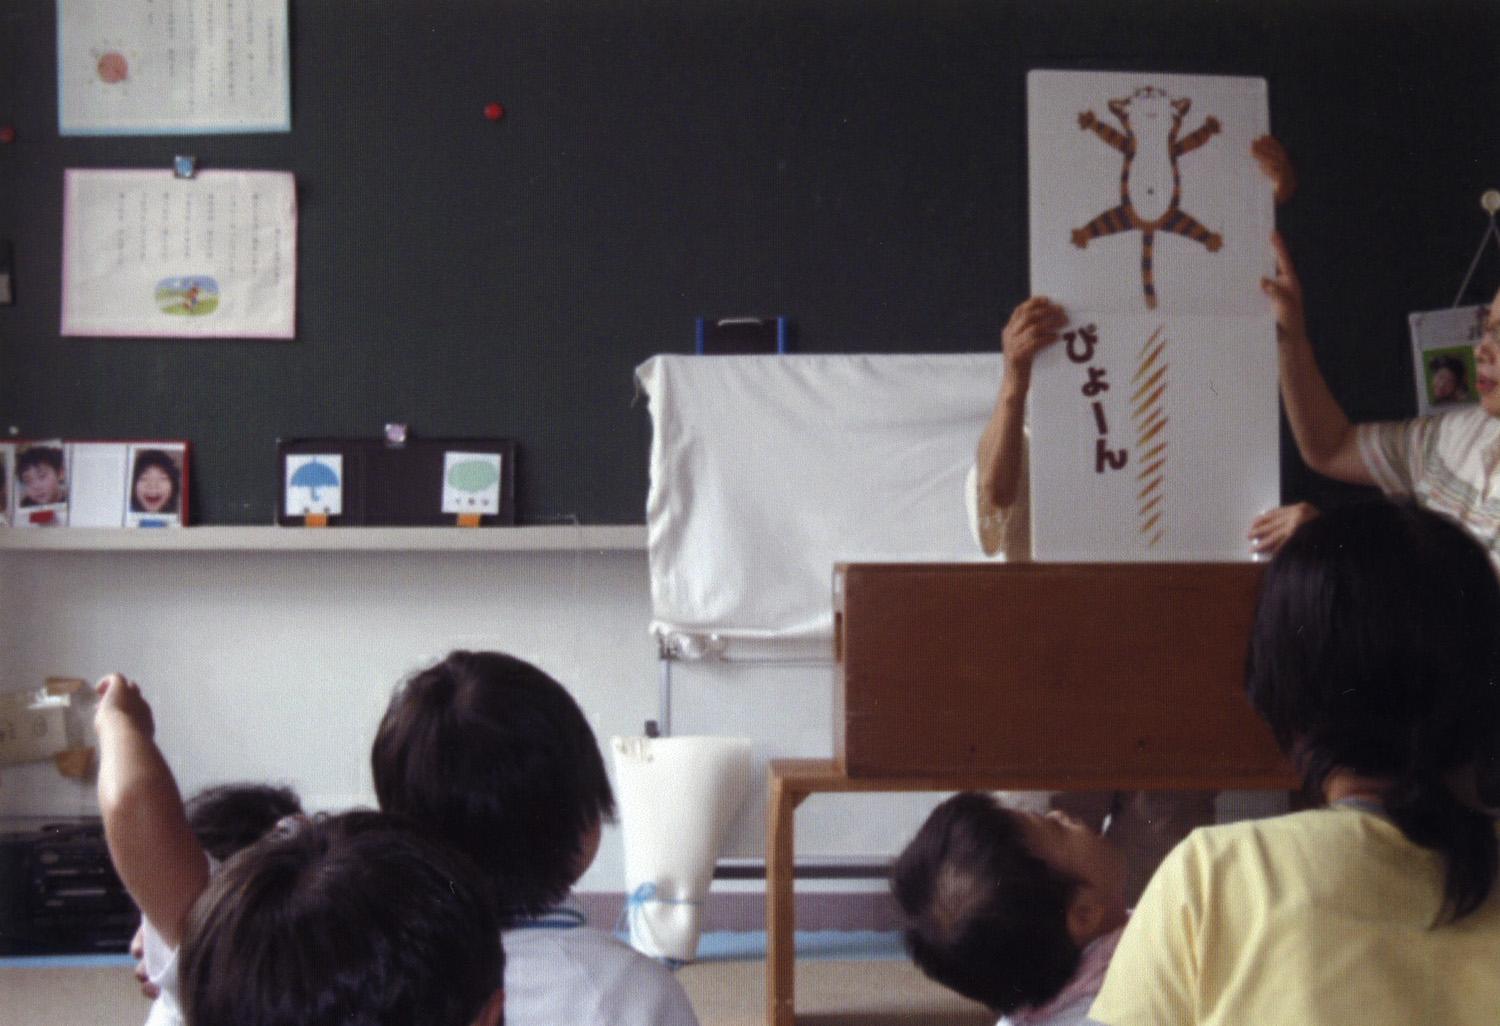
pixel 855 165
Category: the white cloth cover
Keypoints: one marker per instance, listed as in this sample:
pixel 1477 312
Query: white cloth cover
pixel 766 470
pixel 677 797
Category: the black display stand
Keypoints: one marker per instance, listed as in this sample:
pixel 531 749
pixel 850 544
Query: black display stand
pixel 385 485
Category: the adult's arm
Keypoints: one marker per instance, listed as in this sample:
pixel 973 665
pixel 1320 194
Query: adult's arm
pixel 1032 327
pixel 1325 437
pixel 159 860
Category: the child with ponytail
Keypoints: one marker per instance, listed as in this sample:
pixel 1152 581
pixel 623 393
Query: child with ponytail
pixel 1375 659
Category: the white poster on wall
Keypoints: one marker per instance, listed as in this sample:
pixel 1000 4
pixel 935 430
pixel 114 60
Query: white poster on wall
pixel 146 254
pixel 1154 429
pixel 161 67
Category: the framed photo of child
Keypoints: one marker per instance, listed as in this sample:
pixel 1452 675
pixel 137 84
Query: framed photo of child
pixel 157 495
pixel 41 483
pixel 1442 346
pixel 127 483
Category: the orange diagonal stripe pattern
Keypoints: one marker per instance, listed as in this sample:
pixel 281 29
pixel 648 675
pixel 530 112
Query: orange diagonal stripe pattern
pixel 1149 413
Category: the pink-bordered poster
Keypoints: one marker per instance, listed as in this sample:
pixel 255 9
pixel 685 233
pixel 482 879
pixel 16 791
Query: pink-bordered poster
pixel 148 254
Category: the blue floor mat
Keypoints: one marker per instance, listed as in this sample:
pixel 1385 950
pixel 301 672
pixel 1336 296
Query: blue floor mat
pixel 63 961
pixel 845 945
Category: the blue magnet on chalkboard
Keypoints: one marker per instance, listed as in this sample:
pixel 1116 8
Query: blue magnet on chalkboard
pixel 742 336
pixel 184 167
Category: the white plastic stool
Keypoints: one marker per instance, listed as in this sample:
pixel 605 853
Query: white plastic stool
pixel 677 797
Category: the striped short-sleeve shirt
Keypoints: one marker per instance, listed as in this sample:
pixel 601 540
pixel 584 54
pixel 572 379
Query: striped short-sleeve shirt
pixel 1447 463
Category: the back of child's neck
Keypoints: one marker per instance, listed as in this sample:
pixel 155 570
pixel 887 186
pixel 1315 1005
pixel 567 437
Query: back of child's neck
pixel 1347 786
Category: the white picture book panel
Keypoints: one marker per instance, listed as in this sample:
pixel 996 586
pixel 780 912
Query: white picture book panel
pixel 1154 429
pixel 147 254
pixel 1173 457
pixel 1144 195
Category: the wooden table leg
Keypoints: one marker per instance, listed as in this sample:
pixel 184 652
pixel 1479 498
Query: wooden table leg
pixel 781 914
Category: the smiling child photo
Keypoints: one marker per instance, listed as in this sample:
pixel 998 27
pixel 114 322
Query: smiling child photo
pixel 155 493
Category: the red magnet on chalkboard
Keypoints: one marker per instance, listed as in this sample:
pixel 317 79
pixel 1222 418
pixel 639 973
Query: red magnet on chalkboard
pixel 493 111
pixel 7 134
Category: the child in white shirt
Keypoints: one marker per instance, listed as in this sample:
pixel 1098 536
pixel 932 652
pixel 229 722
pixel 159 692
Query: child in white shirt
pixel 494 757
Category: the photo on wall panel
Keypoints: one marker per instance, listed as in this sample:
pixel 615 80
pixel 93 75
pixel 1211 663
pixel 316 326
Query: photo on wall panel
pixel 158 480
pixel 41 483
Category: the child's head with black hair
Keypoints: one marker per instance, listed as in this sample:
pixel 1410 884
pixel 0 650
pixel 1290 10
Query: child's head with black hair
pixel 40 469
pixel 353 919
pixel 999 903
pixel 226 819
pixel 229 817
pixel 1375 652
pixel 494 757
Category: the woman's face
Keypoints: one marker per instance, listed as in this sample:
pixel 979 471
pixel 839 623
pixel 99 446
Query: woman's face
pixel 1487 362
pixel 153 489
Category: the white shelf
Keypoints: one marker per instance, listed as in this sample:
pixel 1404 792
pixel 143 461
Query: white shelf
pixel 613 537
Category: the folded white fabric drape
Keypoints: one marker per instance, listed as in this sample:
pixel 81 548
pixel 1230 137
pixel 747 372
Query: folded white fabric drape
pixel 766 470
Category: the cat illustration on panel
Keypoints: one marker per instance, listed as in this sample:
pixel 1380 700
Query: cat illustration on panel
pixel 1150 181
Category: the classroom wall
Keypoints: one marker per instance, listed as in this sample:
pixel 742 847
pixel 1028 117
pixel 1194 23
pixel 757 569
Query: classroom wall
pixel 278 665
pixel 858 165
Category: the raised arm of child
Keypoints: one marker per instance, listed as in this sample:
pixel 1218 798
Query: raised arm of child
pixel 159 860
